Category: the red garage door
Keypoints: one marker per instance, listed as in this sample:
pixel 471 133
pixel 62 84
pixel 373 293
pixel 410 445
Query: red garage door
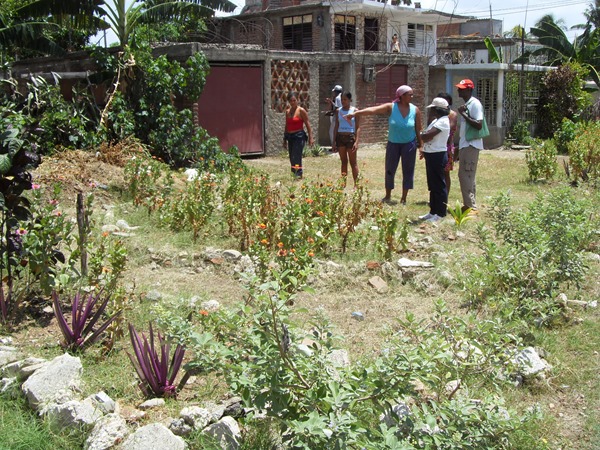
pixel 231 107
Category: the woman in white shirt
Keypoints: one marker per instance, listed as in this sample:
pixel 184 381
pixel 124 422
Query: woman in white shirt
pixel 435 138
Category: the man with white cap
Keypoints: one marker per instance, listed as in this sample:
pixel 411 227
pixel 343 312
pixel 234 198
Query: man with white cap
pixel 471 115
pixel 335 104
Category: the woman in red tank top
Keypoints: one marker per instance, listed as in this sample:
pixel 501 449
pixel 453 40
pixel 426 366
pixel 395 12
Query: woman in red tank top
pixel 296 118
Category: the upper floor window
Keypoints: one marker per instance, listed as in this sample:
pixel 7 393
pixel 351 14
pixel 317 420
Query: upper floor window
pixel 345 32
pixel 417 35
pixel 297 33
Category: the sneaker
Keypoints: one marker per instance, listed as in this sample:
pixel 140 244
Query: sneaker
pixel 434 218
pixel 426 216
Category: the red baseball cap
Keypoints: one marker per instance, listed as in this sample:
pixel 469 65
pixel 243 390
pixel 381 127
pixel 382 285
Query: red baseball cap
pixel 465 84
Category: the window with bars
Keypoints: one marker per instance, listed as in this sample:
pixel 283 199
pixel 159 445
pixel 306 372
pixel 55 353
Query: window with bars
pixel 417 33
pixel 345 32
pixel 371 34
pixel 297 33
pixel 487 94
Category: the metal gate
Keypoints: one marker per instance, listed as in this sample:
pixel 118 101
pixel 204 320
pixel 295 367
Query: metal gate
pixel 231 107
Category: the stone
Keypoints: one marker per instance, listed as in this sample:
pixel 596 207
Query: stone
pixel 379 284
pixel 216 410
pixel 530 363
pixel 131 414
pixel 226 433
pixel 372 265
pixel 108 432
pixel 124 226
pixel 452 386
pixel 153 437
pixel 409 263
pixel 152 404
pixel 23 369
pixel 357 315
pixel 63 373
pixel 397 417
pixel 110 228
pixel 304 350
pixel 210 305
pixel 191 174
pixel 196 417
pixel 72 414
pixel 339 358
pixel 8 355
pixel 233 407
pixel 179 428
pixel 6 340
pixel 154 296
pixel 103 402
pixel 231 255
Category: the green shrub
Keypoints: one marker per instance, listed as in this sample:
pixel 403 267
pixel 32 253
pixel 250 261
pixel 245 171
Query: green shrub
pixel 564 135
pixel 532 255
pixel 584 154
pixel 520 133
pixel 541 161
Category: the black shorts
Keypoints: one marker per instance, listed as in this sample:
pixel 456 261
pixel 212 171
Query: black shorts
pixel 345 140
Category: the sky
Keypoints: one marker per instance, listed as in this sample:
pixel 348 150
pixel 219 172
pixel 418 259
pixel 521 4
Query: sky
pixel 511 12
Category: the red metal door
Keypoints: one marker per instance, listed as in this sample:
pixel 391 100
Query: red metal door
pixel 231 107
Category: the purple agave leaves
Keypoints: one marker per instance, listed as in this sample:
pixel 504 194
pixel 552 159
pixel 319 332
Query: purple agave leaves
pixel 157 375
pixel 81 334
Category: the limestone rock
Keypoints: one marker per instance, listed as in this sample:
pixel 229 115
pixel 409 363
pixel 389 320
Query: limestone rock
pixel 73 414
pixel 226 432
pixel 379 284
pixel 152 403
pixel 8 355
pixel 196 417
pixel 153 437
pixel 530 363
pixel 231 255
pixel 103 402
pixel 23 369
pixel 108 432
pixel 63 373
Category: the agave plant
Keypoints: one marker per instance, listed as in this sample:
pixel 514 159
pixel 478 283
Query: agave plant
pixel 157 375
pixel 81 334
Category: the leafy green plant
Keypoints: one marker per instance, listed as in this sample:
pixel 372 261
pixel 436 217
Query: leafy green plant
pixel 149 181
pixel 107 261
pixel 392 235
pixel 15 162
pixel 156 373
pixel 520 133
pixel 541 161
pixel 584 154
pixel 81 333
pixel 536 253
pixel 313 150
pixel 459 215
pixel 565 134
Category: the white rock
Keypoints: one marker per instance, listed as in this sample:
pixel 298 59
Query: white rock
pixel 73 414
pixel 226 432
pixel 103 402
pixel 405 262
pixel 397 416
pixel 23 369
pixel 8 355
pixel 6 340
pixel 108 432
pixel 124 226
pixel 152 403
pixel 110 228
pixel 62 373
pixel 153 437
pixel 191 174
pixel 210 305
pixel 339 358
pixel 216 411
pixel 304 349
pixel 530 363
pixel 6 383
pixel 196 417
pixel 231 255
pixel 180 428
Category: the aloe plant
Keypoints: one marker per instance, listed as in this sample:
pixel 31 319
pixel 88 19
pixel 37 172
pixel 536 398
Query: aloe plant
pixel 157 375
pixel 81 333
